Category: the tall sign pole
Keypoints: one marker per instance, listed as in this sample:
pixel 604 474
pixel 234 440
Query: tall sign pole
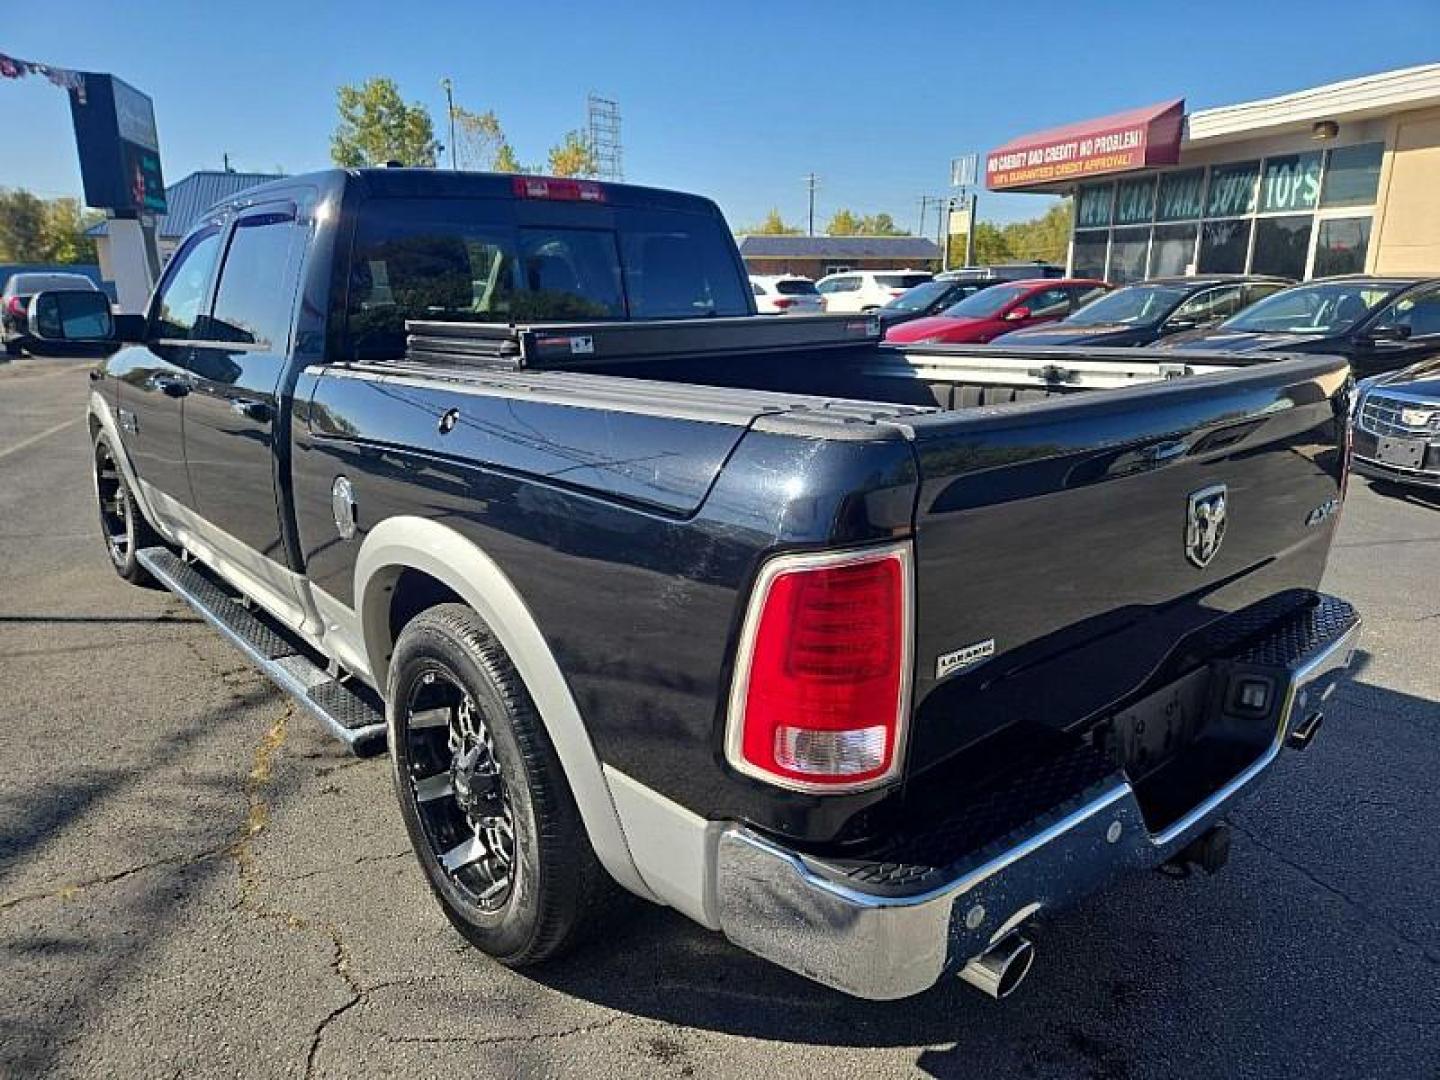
pixel 962 177
pixel 811 182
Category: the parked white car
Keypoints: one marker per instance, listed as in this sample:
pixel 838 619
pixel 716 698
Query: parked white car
pixel 785 294
pixel 867 290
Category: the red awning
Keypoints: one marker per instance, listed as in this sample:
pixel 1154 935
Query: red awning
pixel 1136 139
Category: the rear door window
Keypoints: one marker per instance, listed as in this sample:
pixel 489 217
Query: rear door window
pixel 795 288
pixel 1048 303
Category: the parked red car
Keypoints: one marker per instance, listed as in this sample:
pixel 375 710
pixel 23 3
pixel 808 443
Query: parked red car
pixel 998 310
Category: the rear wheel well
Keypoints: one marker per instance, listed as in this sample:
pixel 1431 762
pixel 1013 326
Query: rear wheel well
pixel 415 591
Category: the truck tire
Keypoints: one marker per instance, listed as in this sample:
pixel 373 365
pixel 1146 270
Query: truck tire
pixel 483 795
pixel 122 524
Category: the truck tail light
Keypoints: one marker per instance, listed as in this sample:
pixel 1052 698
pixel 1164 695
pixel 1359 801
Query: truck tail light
pixel 822 677
pixel 548 187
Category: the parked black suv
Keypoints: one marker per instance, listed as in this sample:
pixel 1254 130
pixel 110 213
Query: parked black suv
pixel 1150 310
pixel 1377 323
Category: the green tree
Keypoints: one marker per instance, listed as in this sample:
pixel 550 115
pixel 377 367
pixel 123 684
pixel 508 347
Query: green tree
pixel 881 224
pixel 572 156
pixel 773 225
pixel 22 226
pixel 843 223
pixel 44 231
pixel 478 139
pixel 506 161
pixel 377 126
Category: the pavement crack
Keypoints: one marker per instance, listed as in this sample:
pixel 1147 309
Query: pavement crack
pixel 495 1040
pixel 70 889
pixel 1309 875
pixel 335 868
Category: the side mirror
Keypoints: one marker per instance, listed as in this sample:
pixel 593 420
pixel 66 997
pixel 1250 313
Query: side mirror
pixel 1393 332
pixel 71 315
pixel 1017 314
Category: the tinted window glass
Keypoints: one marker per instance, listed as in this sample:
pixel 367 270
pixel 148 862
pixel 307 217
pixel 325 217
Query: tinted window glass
pixel 178 303
pixel 1419 312
pixel 1172 250
pixel 1180 195
pixel 1094 205
pixel 795 287
pixel 1352 175
pixel 1135 201
pixel 676 266
pixel 1223 246
pixel 250 306
pixel 1089 258
pixel 922 296
pixel 1128 252
pixel 1049 304
pixel 1232 189
pixel 900 281
pixel 1281 245
pixel 1311 309
pixel 30 284
pixel 756 289
pixel 1291 182
pixel 1212 305
pixel 1341 246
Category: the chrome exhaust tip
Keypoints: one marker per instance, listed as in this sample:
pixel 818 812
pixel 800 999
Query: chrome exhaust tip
pixel 1000 969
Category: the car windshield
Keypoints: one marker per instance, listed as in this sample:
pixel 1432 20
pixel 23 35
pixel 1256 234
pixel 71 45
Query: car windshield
pixel 986 302
pixel 1134 305
pixel 922 296
pixel 1327 308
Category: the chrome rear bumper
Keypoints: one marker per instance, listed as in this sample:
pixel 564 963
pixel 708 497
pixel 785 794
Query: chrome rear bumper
pixel 775 903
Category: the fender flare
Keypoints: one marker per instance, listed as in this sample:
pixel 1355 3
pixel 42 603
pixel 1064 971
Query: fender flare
pixel 413 543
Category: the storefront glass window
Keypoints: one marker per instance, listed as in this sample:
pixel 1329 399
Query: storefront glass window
pixel 1281 245
pixel 1094 208
pixel 1090 250
pixel 1232 189
pixel 1223 245
pixel 1172 251
pixel 1352 175
pixel 1128 253
pixel 1180 195
pixel 1291 182
pixel 1135 201
pixel 1341 246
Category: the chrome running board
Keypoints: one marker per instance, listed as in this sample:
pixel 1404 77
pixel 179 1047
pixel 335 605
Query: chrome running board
pixel 349 717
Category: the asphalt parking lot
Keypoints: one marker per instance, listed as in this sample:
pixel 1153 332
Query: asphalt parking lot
pixel 195 881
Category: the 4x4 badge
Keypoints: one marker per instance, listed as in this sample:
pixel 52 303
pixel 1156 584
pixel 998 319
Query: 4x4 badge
pixel 1205 522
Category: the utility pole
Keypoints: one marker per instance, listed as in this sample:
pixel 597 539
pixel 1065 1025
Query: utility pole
pixel 449 89
pixel 811 182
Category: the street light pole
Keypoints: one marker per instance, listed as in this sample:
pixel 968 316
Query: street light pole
pixel 450 111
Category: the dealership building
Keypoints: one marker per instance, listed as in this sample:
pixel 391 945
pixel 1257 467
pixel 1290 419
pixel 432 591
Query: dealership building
pixel 1336 179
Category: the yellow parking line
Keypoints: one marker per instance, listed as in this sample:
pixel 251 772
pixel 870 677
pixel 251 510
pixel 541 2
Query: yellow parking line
pixel 33 439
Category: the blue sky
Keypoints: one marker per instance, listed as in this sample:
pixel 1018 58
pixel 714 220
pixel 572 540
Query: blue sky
pixel 738 101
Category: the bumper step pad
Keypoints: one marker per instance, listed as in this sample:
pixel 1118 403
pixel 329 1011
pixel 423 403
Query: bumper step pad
pixel 354 715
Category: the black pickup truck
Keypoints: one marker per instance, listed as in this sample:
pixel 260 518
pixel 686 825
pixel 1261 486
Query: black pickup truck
pixel 863 657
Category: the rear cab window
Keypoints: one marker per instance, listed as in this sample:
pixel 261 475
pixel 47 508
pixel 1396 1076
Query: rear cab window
pixel 498 260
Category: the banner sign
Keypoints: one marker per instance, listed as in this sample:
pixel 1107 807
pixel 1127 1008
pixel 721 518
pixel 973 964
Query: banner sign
pixel 1138 139
pixel 119 146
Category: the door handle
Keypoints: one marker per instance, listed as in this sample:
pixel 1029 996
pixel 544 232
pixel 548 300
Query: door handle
pixel 259 411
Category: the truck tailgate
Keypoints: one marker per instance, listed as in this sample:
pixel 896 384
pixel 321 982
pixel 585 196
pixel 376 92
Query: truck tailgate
pixel 1065 549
